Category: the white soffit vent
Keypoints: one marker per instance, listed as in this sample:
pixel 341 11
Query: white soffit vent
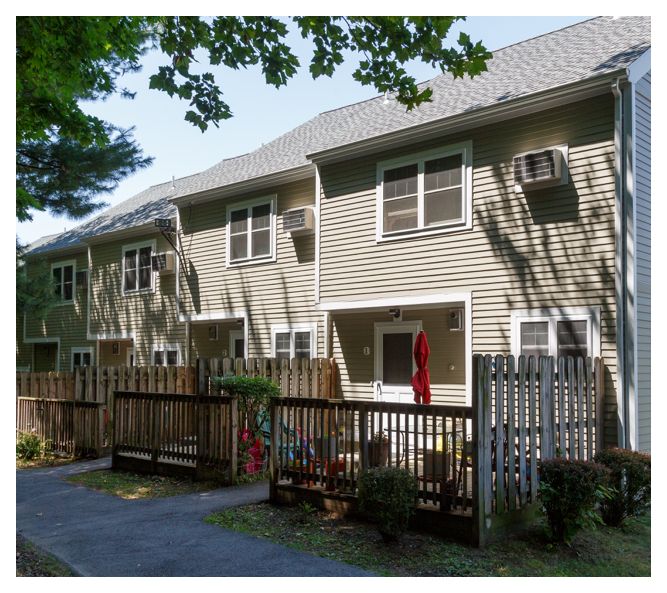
pixel 163 263
pixel 299 221
pixel 540 168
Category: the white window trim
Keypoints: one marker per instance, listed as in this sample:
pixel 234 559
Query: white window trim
pixel 463 148
pixel 272 200
pixel 83 350
pixel 137 246
pixel 62 264
pixel 552 316
pixel 292 329
pixel 164 348
pixel 235 334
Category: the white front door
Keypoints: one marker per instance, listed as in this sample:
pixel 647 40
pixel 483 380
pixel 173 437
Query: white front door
pixel 394 361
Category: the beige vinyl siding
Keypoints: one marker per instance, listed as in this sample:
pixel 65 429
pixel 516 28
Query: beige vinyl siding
pixel 643 261
pixel 66 321
pixel 23 350
pixel 150 316
pixel 273 293
pixel 548 248
pixel 352 332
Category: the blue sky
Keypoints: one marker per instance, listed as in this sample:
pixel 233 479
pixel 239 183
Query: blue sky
pixel 261 112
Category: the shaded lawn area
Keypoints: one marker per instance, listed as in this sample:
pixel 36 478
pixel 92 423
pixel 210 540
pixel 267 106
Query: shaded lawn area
pixel 46 460
pixel 31 562
pixel 601 552
pixel 131 486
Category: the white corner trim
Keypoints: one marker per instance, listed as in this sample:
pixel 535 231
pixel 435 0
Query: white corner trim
pixel 640 67
pixel 89 295
pixel 439 299
pixel 318 206
pixel 467 312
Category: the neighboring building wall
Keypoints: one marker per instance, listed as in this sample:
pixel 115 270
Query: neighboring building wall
pixel 550 248
pixel 65 321
pixel 643 262
pixel 150 317
pixel 273 293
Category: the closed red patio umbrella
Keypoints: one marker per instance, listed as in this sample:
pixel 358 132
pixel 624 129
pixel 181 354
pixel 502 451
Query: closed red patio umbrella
pixel 421 382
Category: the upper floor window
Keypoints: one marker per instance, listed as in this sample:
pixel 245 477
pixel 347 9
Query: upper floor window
pixel 251 231
pixel 425 193
pixel 63 280
pixel 137 269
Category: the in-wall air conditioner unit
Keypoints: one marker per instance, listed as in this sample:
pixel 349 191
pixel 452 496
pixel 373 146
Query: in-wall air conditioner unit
pixel 541 168
pixel 163 263
pixel 82 279
pixel 299 221
pixel 456 320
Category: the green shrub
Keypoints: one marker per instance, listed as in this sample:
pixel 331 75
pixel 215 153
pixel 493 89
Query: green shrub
pixel 629 482
pixel 389 496
pixel 569 492
pixel 28 446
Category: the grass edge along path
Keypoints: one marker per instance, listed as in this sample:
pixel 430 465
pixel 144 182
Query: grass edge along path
pixel 600 552
pixel 133 486
pixel 32 562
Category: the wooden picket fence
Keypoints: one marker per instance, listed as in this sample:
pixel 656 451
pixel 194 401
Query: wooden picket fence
pixel 297 377
pixel 66 426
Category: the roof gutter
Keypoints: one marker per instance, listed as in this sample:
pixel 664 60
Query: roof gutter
pixel 267 181
pixel 472 119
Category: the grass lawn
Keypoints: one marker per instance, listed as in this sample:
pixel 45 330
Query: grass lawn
pixel 31 562
pixel 46 460
pixel 132 486
pixel 601 552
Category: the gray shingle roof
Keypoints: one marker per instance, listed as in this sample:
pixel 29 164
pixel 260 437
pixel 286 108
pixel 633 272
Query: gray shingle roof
pixel 138 210
pixel 577 53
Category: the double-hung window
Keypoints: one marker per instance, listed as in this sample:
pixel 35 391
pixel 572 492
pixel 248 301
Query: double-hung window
pixel 63 281
pixel 293 342
pixel 137 269
pixel 166 355
pixel 569 332
pixel 425 193
pixel 251 231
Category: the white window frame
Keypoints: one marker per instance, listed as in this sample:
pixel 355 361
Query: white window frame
pixel 292 329
pixel 552 316
pixel 62 265
pixel 164 348
pixel 82 350
pixel 137 246
pixel 463 148
pixel 272 201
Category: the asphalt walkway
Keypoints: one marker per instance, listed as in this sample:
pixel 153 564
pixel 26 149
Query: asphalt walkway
pixel 98 534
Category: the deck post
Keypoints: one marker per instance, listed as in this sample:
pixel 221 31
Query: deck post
pixel 273 460
pixel 234 423
pixel 481 443
pixel 363 437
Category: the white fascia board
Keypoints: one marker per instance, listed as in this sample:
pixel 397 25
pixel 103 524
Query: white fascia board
pixel 247 185
pixel 440 299
pixel 640 67
pixel 112 336
pixel 213 316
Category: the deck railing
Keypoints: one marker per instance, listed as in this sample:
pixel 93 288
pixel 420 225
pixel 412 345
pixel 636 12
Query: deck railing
pixel 169 433
pixel 330 442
